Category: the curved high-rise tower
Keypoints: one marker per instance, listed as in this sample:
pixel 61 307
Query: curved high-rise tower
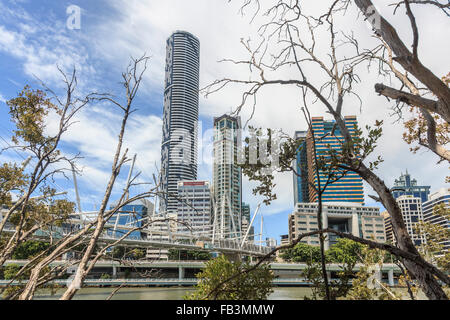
pixel 181 90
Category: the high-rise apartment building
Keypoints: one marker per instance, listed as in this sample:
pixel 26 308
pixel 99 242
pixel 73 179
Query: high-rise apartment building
pixel 194 209
pixel 353 218
pixel 246 219
pixel 407 186
pixel 441 196
pixel 179 142
pixel 301 188
pixel 411 208
pixel 327 136
pixel 227 177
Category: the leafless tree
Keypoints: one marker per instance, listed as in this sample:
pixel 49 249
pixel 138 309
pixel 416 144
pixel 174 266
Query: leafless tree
pixel 293 36
pixel 90 233
pixel 44 151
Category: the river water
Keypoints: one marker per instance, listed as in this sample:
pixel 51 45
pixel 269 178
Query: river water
pixel 173 293
pixel 162 293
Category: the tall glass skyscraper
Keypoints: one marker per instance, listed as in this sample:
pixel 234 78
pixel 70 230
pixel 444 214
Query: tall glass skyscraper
pixel 328 136
pixel 405 186
pixel 301 193
pixel 179 142
pixel 227 177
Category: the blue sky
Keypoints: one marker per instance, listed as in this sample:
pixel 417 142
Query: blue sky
pixel 34 39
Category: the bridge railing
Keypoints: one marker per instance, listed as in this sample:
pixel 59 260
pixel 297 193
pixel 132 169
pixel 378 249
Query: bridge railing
pixel 220 244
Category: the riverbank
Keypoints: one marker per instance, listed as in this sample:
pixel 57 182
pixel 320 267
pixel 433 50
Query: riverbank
pixel 173 293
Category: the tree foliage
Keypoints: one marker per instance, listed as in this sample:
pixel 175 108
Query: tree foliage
pixel 366 286
pixel 347 254
pixel 121 252
pixel 252 285
pixel 436 235
pixel 29 249
pixel 301 253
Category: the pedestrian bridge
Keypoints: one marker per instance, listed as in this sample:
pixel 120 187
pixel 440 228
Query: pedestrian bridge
pixel 167 241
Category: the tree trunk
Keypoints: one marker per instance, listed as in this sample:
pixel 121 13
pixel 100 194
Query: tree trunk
pixel 427 281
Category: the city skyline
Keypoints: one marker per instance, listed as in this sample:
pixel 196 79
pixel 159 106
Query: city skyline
pixel 142 138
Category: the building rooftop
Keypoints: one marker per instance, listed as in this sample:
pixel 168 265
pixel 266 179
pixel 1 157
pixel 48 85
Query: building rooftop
pixel 437 194
pixel 185 32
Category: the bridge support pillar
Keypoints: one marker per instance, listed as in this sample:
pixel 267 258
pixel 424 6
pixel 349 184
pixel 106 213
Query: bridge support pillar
pixel 114 269
pixel 329 275
pixel 379 275
pixel 181 272
pixel 235 257
pixel 391 277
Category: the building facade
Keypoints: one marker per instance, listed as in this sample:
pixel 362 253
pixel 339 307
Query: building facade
pixel 284 239
pixel 353 218
pixel 194 210
pixel 132 215
pixel 301 188
pixel 411 208
pixel 388 227
pixel 180 116
pixel 246 219
pixel 271 242
pixel 407 186
pixel 441 196
pixel 164 227
pixel 327 136
pixel 227 177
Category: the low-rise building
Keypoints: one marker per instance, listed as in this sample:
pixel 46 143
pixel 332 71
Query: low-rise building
pixel 284 239
pixel 353 218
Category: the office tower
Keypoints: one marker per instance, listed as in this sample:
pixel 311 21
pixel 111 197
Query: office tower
pixel 353 218
pixel 194 210
pixel 441 196
pixel 328 136
pixel 301 189
pixel 246 219
pixel 227 176
pixel 132 215
pixel 407 186
pixel 179 143
pixel 411 208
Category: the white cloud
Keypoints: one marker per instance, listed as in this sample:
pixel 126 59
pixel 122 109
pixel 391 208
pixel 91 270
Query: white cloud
pixel 41 53
pixel 137 26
